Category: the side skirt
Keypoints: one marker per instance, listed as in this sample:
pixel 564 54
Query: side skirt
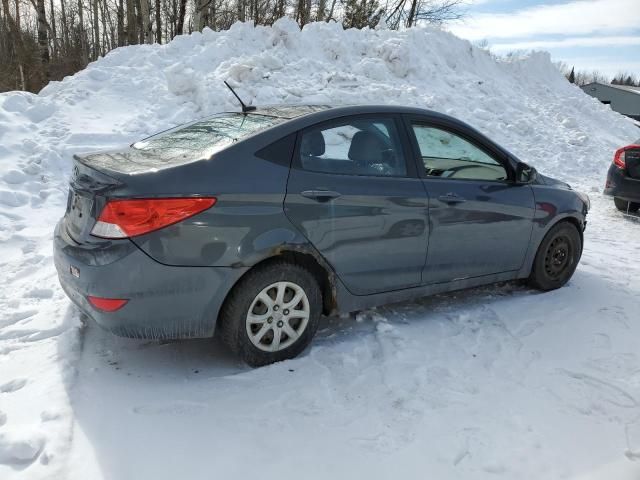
pixel 346 302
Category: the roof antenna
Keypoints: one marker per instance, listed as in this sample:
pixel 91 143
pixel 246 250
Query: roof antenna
pixel 245 108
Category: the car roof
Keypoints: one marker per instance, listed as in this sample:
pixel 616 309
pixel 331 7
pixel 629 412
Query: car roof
pixel 301 116
pixel 294 111
pixel 288 111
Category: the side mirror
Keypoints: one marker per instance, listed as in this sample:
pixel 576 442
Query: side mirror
pixel 525 173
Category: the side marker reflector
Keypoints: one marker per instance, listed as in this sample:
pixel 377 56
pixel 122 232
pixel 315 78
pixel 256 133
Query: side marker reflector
pixel 107 304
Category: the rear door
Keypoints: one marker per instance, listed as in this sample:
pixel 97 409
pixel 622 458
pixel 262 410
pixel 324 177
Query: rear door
pixel 357 199
pixel 480 220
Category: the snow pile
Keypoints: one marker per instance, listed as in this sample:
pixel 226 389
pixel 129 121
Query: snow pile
pixel 524 104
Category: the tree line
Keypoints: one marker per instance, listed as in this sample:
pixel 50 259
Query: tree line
pixel 584 77
pixel 43 40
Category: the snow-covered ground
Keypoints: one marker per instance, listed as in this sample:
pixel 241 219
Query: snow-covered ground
pixel 497 382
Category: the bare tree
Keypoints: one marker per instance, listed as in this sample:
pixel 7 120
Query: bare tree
pixel 96 29
pixel 132 35
pixel 201 14
pixel 321 11
pixel 65 26
pixel 120 22
pixel 54 36
pixel 158 23
pixel 241 9
pixel 181 13
pixel 146 24
pixel 410 12
pixel 139 28
pixel 331 10
pixel 43 42
pixel 16 40
pixel 82 34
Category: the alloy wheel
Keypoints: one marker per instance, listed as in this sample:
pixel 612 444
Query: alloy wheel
pixel 278 316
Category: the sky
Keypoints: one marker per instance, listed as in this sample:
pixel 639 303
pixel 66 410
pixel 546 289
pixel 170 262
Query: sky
pixel 601 35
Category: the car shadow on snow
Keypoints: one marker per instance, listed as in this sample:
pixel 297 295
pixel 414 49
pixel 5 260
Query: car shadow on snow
pixel 211 358
pixel 632 217
pixel 143 408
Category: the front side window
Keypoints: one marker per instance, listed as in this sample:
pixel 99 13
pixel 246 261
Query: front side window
pixel 358 146
pixel 447 155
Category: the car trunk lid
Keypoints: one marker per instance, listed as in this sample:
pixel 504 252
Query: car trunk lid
pixel 87 188
pixel 128 174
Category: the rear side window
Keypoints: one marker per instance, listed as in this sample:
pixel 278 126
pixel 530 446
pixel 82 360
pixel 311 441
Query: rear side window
pixel 280 151
pixel 203 138
pixel 356 146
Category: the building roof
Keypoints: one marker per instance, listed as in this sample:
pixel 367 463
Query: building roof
pixel 625 88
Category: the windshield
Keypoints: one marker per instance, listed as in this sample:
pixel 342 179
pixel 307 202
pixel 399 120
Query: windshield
pixel 203 138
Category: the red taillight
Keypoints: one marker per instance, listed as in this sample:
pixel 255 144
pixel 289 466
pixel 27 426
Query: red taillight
pixel 107 304
pixel 619 156
pixel 129 218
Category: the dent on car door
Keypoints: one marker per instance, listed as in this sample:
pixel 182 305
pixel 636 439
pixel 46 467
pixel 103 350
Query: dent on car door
pixel 481 221
pixel 355 197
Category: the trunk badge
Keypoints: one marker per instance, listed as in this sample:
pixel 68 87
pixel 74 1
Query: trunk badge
pixel 75 271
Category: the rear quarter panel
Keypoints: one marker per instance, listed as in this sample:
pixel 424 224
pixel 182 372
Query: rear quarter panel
pixel 247 223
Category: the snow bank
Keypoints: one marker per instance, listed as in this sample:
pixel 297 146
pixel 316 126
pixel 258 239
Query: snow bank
pixel 523 103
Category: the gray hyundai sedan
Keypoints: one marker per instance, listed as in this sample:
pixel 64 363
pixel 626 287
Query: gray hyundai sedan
pixel 251 225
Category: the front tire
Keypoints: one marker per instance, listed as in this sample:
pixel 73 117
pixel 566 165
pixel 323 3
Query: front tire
pixel 272 314
pixel 625 206
pixel 557 257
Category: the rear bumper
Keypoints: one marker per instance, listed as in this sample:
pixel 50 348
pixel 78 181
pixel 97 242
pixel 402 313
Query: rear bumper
pixel 622 186
pixel 165 302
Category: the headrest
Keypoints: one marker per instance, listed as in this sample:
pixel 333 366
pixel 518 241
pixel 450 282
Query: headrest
pixel 366 148
pixel 312 144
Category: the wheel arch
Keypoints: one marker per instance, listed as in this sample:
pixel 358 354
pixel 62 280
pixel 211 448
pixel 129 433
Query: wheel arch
pixel 575 222
pixel 309 259
pixel 538 237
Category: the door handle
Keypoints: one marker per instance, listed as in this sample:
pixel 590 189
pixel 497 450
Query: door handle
pixel 451 198
pixel 320 195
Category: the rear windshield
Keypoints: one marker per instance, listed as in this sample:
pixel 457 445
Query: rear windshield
pixel 203 138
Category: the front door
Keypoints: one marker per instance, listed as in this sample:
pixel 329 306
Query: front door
pixel 481 221
pixel 355 197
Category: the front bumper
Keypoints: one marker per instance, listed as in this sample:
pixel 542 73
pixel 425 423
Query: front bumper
pixel 622 186
pixel 165 302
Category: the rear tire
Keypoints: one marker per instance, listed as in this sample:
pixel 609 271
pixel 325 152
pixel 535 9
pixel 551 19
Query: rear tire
pixel 625 206
pixel 272 314
pixel 557 257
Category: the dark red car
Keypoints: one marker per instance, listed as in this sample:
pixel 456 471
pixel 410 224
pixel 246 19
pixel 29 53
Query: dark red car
pixel 623 179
